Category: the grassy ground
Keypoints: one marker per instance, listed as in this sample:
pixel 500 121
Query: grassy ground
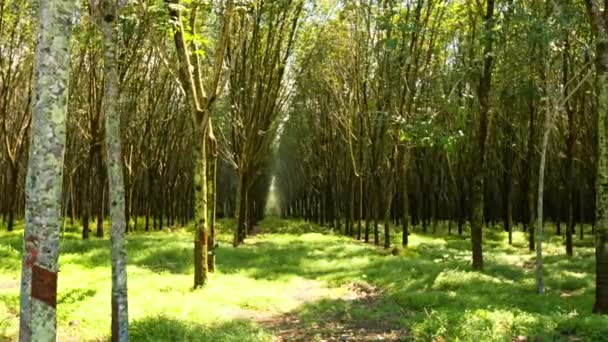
pixel 297 283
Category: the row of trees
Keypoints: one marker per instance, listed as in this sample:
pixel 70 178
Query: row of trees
pixel 388 112
pixel 414 112
pixel 157 91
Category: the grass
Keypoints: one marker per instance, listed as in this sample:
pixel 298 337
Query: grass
pixel 428 290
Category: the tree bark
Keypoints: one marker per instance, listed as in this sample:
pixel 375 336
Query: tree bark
pixel 485 83
pixel 44 181
pixel 601 247
pixel 201 263
pixel 212 199
pixel 598 19
pixel 406 214
pixel 540 288
pixel 107 13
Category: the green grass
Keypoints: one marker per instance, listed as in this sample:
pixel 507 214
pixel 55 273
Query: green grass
pixel 428 290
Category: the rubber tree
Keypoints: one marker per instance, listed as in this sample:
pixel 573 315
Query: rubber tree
pixel 201 92
pixel 483 93
pixel 600 26
pixel 44 180
pixel 106 13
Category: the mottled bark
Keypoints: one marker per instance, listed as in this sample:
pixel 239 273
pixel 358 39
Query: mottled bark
pixel 200 99
pixel 540 287
pixel 529 180
pixel 360 207
pixel 200 211
pixel 107 12
pixel 598 19
pixel 601 248
pixel 483 91
pixel 44 180
pixel 406 214
pixel 212 199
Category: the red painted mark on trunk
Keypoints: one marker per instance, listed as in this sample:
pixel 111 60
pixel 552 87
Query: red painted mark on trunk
pixel 31 251
pixel 44 285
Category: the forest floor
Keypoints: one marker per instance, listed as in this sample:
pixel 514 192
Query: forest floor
pixel 293 281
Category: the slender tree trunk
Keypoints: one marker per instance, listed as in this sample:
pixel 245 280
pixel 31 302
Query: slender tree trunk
pixel 161 204
pixel 376 235
pixel 201 263
pixel 108 11
pixel 351 208
pixel 212 179
pixel 44 182
pixel 100 209
pixel 581 218
pixel 12 195
pixel 406 214
pixel 360 207
pixel 368 214
pixel 539 220
pixel 86 206
pixel 601 247
pixel 485 83
pixel 508 186
pixel 240 209
pixel 376 209
pixel 147 224
pixel 387 220
pixel 529 181
pixel 72 203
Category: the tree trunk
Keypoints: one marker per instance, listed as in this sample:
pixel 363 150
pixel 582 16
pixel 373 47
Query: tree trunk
pixel 212 199
pixel 387 219
pixel 539 220
pixel 360 207
pixel 508 186
pixel 601 247
pixel 44 182
pixel 528 184
pixel 581 218
pixel 368 214
pixel 241 212
pixel 12 194
pixel 406 214
pixel 200 209
pixel 86 206
pixel 485 83
pixel 108 11
pixel 376 209
pixel 100 211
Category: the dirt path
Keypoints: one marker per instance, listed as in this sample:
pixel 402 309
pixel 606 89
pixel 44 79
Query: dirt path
pixel 9 284
pixel 336 326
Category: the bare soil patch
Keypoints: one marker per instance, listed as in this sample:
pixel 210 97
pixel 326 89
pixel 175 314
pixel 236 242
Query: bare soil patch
pixel 339 326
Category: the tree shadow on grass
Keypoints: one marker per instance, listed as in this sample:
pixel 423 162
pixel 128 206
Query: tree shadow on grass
pixel 270 260
pixel 156 253
pixel 177 260
pixel 75 295
pixel 165 328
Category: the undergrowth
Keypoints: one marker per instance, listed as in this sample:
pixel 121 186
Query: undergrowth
pixel 428 289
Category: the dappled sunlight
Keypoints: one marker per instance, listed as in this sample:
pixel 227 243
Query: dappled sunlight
pixel 427 291
pixel 164 327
